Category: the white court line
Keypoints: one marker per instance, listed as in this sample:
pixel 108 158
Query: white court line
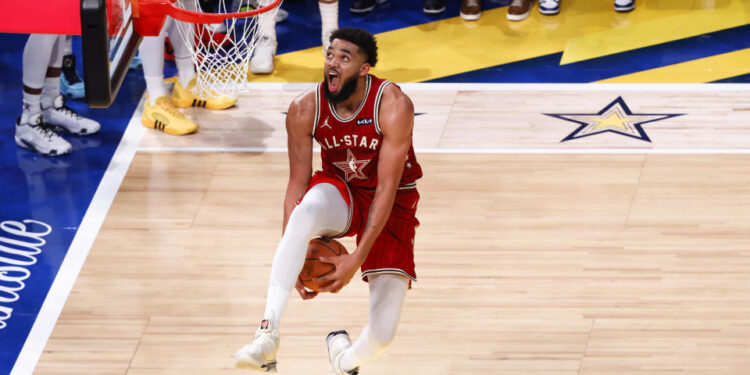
pixel 668 151
pixel 702 87
pixel 79 248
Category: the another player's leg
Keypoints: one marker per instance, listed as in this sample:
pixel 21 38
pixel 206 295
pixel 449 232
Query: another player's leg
pixel 159 113
pixel 31 130
pixel 387 295
pixel 56 113
pixel 323 211
pixel 71 84
pixel 329 21
pixel 182 95
pixel 262 59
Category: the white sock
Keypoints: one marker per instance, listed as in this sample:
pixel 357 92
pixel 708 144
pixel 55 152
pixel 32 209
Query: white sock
pixel 185 70
pixel 155 88
pixel 323 211
pixel 387 295
pixel 152 58
pixel 182 53
pixel 31 105
pixel 50 92
pixel 329 21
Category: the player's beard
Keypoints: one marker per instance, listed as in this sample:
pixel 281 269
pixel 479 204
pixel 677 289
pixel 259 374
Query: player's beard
pixel 347 89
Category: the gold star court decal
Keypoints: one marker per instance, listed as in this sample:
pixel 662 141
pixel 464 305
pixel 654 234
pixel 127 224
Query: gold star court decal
pixel 616 118
pixel 352 167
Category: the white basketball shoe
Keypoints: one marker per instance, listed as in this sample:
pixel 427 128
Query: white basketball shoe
pixel 262 60
pixel 63 117
pixel 549 7
pixel 260 354
pixel 34 134
pixel 337 343
pixel 624 5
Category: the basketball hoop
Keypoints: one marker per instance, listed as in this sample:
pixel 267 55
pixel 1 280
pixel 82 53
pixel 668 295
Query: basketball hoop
pixel 221 60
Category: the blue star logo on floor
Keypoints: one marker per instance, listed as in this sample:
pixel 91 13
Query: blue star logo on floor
pixel 616 118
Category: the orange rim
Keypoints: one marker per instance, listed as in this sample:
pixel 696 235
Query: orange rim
pixel 202 18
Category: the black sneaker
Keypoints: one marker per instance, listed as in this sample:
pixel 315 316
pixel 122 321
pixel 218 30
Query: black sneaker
pixel 433 6
pixel 364 6
pixel 71 84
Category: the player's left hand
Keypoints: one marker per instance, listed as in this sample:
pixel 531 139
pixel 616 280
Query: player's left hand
pixel 346 266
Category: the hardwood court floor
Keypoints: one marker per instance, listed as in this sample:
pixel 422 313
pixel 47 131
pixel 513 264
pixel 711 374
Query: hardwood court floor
pixel 528 263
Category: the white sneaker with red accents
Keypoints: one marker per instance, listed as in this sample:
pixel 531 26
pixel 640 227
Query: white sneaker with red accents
pixel 260 354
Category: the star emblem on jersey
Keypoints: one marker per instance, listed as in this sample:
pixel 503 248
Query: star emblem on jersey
pixel 352 167
pixel 616 118
pixel 325 123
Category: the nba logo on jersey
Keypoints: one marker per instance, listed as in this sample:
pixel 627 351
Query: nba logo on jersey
pixel 364 121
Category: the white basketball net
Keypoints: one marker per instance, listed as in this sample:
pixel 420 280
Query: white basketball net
pixel 222 59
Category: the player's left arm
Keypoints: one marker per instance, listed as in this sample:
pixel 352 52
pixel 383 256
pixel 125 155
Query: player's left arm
pixel 396 120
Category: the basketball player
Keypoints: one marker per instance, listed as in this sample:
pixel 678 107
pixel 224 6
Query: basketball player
pixel 366 188
pixel 159 111
pixel 44 109
pixel 262 59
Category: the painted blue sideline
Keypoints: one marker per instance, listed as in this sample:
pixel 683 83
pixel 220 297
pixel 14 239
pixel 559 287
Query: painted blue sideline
pixel 56 191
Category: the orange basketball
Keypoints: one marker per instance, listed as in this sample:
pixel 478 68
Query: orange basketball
pixel 319 247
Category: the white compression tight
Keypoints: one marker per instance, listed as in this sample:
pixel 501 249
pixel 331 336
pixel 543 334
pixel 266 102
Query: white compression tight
pixel 323 211
pixel 152 57
pixel 387 295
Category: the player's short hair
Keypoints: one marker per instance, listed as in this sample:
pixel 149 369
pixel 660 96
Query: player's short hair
pixel 362 39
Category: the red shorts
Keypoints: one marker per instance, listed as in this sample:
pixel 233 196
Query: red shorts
pixel 393 250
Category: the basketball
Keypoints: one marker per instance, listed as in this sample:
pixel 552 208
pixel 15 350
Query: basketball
pixel 317 248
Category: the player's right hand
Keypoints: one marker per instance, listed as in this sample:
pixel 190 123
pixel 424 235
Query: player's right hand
pixel 304 293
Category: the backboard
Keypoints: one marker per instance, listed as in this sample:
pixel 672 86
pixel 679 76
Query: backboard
pixel 109 44
pixel 110 30
pixel 106 28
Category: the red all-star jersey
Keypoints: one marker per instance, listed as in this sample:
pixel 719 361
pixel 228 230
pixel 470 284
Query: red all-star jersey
pixel 350 146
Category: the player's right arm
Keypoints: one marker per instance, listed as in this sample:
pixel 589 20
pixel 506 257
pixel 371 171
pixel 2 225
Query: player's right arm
pixel 299 128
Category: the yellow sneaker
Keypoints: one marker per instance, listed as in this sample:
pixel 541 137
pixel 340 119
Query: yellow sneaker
pixel 165 117
pixel 183 97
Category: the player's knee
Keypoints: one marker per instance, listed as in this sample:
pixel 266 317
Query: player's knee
pixel 309 209
pixel 381 337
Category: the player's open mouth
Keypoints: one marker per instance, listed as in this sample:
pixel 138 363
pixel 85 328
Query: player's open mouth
pixel 334 78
